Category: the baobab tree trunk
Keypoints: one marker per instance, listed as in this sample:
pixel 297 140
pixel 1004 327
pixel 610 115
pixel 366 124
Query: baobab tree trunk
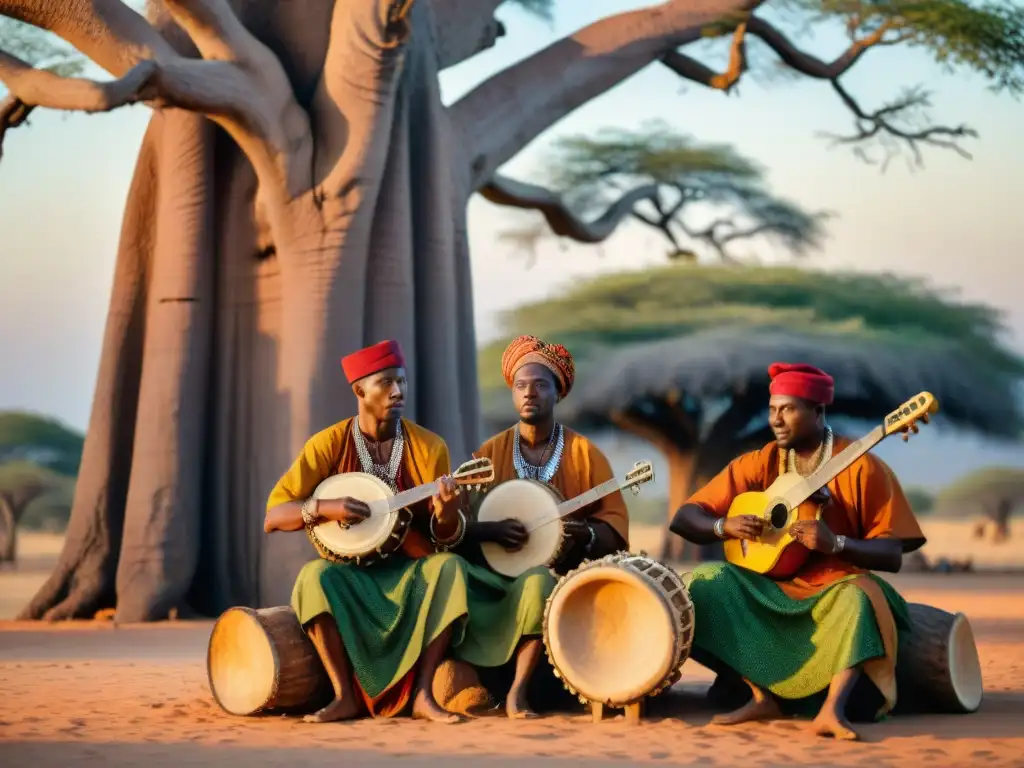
pixel 8 534
pixel 208 387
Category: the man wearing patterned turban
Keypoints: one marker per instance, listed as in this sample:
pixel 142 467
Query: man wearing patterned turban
pixel 538 447
pixel 834 622
pixel 381 629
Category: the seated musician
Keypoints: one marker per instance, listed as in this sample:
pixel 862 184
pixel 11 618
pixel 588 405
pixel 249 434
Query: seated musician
pixel 381 630
pixel 539 448
pixel 835 624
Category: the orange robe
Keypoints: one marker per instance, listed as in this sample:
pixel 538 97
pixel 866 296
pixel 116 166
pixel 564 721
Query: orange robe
pixel 332 451
pixel 581 468
pixel 867 503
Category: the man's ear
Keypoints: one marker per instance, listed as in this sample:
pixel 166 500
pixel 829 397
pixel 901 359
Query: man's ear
pixel 358 391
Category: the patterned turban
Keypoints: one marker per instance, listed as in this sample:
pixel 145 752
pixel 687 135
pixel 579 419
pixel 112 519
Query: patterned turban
pixel 366 362
pixel 800 380
pixel 530 349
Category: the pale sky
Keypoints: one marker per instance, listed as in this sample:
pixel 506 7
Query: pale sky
pixel 64 179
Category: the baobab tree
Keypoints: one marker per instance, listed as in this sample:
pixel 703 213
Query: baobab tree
pixel 301 190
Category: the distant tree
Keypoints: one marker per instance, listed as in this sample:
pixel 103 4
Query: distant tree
pixel 41 440
pixel 921 501
pixel 703 196
pixel 679 357
pixel 993 492
pixel 22 483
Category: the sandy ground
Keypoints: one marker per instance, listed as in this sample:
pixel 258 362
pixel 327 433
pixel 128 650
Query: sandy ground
pixel 90 693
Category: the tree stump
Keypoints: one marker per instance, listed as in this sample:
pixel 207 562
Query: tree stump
pixel 937 664
pixel 260 661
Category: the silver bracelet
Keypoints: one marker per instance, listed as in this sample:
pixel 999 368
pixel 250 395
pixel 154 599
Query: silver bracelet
pixel 719 527
pixel 592 541
pixel 840 544
pixel 455 540
pixel 310 511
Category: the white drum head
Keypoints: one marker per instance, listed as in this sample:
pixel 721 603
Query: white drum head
pixel 964 664
pixel 527 501
pixel 241 662
pixel 365 536
pixel 611 634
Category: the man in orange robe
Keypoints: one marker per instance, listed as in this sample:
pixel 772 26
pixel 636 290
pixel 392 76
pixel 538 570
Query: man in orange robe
pixel 792 640
pixel 538 447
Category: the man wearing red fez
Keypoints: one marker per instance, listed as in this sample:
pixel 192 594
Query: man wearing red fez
pixel 813 637
pixel 537 447
pixel 382 629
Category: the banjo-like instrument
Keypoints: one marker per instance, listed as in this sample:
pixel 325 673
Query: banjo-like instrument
pixel 542 510
pixel 383 532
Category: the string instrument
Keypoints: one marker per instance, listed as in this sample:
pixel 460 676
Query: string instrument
pixel 542 511
pixel 383 532
pixel 775 553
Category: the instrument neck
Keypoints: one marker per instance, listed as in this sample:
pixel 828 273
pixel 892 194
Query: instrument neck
pixel 589 497
pixel 407 498
pixel 831 468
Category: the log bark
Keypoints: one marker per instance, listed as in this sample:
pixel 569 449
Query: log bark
pixel 8 533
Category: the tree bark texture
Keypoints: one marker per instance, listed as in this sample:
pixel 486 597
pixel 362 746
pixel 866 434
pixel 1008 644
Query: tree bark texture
pixel 8 533
pixel 267 236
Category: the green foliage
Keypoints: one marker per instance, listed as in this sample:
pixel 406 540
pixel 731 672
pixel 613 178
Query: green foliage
pixel 542 8
pixel 982 488
pixel 40 439
pixel 39 48
pixel 23 482
pixel 728 190
pixel 921 500
pixel 986 37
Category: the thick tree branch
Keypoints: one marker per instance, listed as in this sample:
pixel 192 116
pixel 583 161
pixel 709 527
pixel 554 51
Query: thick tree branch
pixel 40 88
pixel 355 98
pixel 241 85
pixel 559 216
pixel 504 114
pixel 13 112
pixel 464 28
pixel 691 69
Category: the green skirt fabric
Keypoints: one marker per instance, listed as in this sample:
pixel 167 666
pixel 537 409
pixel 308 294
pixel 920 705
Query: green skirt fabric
pixel 791 647
pixel 388 613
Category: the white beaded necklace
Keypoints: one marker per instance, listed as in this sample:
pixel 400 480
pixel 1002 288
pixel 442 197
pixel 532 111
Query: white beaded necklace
pixel 527 471
pixel 788 458
pixel 386 472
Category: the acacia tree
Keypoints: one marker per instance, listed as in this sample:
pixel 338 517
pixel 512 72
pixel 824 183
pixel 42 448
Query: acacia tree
pixel 301 190
pixel 678 356
pixel 22 483
pixel 694 195
pixel 995 492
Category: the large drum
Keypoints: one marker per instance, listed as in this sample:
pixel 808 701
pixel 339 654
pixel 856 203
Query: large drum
pixel 619 629
pixel 260 661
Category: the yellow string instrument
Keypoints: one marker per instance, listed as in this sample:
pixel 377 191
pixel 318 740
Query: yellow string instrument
pixel 775 553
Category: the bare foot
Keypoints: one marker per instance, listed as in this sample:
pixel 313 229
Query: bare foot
pixel 829 723
pixel 517 707
pixel 339 709
pixel 425 708
pixel 758 708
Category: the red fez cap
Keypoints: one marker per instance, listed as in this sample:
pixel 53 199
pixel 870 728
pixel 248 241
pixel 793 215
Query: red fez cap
pixel 366 362
pixel 801 380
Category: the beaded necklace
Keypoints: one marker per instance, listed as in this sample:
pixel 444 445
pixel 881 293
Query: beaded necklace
pixel 387 472
pixel 787 458
pixel 527 471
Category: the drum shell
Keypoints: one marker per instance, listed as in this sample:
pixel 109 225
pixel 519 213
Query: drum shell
pixel 674 599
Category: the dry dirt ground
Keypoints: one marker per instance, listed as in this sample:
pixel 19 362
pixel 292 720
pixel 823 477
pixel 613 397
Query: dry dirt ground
pixel 88 693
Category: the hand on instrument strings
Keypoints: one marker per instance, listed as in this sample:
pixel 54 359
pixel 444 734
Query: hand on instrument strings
pixel 445 500
pixel 743 527
pixel 346 510
pixel 511 534
pixel 814 535
pixel 578 530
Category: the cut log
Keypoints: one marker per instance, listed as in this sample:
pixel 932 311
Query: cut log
pixel 260 662
pixel 937 664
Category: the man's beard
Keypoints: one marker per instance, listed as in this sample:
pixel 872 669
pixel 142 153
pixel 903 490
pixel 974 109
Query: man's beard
pixel 535 418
